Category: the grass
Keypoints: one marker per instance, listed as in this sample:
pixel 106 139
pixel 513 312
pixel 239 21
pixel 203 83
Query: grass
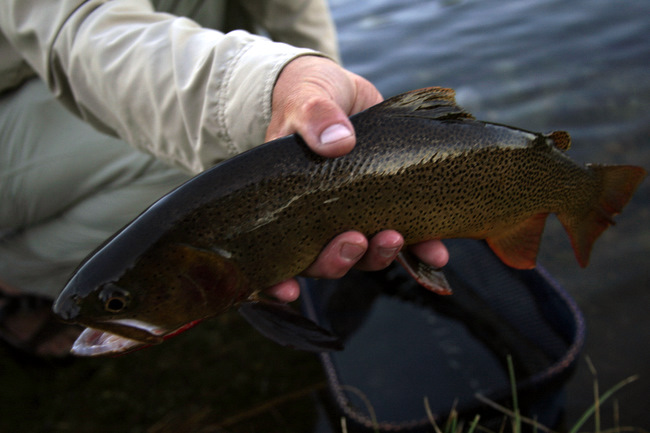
pixel 513 417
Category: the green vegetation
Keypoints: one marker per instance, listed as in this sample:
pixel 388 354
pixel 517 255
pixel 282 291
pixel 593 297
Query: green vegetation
pixel 515 420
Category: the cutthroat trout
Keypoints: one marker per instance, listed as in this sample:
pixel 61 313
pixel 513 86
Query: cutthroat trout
pixel 422 166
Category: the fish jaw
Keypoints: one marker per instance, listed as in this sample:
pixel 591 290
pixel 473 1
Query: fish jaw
pixel 94 342
pixel 111 340
pixel 117 336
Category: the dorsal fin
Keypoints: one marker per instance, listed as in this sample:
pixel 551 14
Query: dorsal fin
pixel 560 139
pixel 437 103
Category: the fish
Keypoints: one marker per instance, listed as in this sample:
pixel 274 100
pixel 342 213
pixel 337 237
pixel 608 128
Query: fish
pixel 422 166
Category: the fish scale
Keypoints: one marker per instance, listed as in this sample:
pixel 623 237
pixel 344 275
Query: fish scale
pixel 421 166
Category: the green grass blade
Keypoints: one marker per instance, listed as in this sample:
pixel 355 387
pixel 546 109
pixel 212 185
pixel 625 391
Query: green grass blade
pixel 515 402
pixel 473 425
pixel 592 409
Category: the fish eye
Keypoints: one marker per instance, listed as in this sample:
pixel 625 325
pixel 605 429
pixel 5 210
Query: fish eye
pixel 115 304
pixel 114 298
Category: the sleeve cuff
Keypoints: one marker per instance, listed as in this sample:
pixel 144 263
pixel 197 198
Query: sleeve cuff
pixel 245 95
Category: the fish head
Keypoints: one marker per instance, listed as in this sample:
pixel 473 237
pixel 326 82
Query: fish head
pixel 114 317
pixel 161 294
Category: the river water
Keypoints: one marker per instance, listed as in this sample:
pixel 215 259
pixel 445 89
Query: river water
pixel 582 66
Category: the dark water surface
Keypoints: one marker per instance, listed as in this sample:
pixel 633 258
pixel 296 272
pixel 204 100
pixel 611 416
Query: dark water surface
pixel 581 66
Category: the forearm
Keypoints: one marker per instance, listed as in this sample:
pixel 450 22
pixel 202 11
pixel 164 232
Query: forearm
pixel 189 95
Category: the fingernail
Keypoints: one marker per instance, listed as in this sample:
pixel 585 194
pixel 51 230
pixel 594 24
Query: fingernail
pixel 388 252
pixel 334 133
pixel 352 252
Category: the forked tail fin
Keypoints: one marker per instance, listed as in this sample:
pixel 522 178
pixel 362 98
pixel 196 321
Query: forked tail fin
pixel 618 185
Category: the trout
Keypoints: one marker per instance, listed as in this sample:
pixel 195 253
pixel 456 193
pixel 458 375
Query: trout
pixel 422 166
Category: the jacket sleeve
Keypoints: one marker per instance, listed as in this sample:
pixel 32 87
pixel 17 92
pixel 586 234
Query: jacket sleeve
pixel 189 95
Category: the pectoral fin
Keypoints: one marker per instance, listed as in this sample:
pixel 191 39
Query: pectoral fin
pixel 285 326
pixel 429 277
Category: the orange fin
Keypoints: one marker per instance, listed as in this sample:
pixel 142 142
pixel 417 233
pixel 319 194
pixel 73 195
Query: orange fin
pixel 437 103
pixel 618 183
pixel 560 139
pixel 518 246
pixel 427 276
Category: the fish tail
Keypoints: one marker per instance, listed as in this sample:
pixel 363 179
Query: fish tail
pixel 617 185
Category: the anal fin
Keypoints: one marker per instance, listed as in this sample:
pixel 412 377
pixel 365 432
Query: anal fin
pixel 518 246
pixel 282 324
pixel 427 276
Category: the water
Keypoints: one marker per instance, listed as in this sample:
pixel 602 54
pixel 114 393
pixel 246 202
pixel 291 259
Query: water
pixel 581 66
pixel 541 65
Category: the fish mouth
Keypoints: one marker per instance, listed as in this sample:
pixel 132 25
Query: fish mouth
pixel 117 337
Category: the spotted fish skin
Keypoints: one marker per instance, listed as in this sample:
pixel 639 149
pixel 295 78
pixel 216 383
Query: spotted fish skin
pixel 421 166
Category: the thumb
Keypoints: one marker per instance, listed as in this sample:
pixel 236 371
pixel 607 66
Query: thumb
pixel 313 96
pixel 326 128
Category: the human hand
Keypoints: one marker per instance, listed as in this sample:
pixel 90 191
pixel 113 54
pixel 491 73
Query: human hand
pixel 314 96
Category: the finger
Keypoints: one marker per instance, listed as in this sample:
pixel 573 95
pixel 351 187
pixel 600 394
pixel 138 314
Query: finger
pixel 326 128
pixel 286 291
pixel 323 125
pixel 339 256
pixel 432 252
pixel 314 96
pixel 382 250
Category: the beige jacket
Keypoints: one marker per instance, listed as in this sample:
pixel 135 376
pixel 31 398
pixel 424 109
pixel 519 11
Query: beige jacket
pixel 187 94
